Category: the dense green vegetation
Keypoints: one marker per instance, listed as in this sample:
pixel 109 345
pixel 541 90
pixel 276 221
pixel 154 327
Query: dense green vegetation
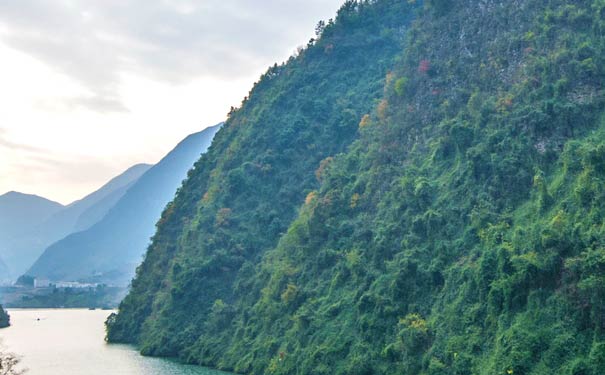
pixel 461 233
pixel 245 191
pixel 4 318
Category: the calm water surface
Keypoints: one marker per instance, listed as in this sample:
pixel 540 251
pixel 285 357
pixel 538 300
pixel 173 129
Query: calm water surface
pixel 70 342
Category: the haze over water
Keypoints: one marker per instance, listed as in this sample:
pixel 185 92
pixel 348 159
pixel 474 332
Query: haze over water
pixel 71 342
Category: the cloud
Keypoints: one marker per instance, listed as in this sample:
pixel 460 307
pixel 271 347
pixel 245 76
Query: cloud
pixel 90 88
pixel 31 167
pixel 14 146
pixel 32 159
pixel 97 42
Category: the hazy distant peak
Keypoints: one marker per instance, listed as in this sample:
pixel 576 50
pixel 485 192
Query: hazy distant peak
pixel 28 223
pixel 125 178
pixel 15 195
pixel 109 250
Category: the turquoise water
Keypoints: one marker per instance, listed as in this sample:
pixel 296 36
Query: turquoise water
pixel 70 342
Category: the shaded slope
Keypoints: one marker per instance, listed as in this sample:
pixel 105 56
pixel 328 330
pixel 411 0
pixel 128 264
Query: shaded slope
pixel 110 250
pixel 95 206
pixel 245 191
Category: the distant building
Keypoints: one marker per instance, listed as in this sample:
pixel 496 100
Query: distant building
pixel 74 285
pixel 41 283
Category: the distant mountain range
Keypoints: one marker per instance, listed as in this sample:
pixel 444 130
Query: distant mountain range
pixel 106 197
pixel 109 250
pixel 29 224
pixel 19 212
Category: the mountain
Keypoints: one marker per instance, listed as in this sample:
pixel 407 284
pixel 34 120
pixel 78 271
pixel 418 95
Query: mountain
pixel 460 233
pixel 95 206
pixel 247 189
pixel 18 214
pixel 26 238
pixel 21 211
pixel 110 250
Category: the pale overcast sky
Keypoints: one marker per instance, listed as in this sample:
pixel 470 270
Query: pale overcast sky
pixel 89 88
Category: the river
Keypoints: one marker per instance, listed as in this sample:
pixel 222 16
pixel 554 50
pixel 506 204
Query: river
pixel 71 342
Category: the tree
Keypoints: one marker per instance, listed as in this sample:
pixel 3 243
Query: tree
pixel 4 318
pixel 319 29
pixel 9 363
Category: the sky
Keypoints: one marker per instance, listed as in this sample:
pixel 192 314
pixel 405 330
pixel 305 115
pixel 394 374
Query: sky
pixel 92 87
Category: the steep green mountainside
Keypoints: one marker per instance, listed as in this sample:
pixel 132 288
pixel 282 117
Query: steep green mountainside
pixel 244 193
pixel 462 233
